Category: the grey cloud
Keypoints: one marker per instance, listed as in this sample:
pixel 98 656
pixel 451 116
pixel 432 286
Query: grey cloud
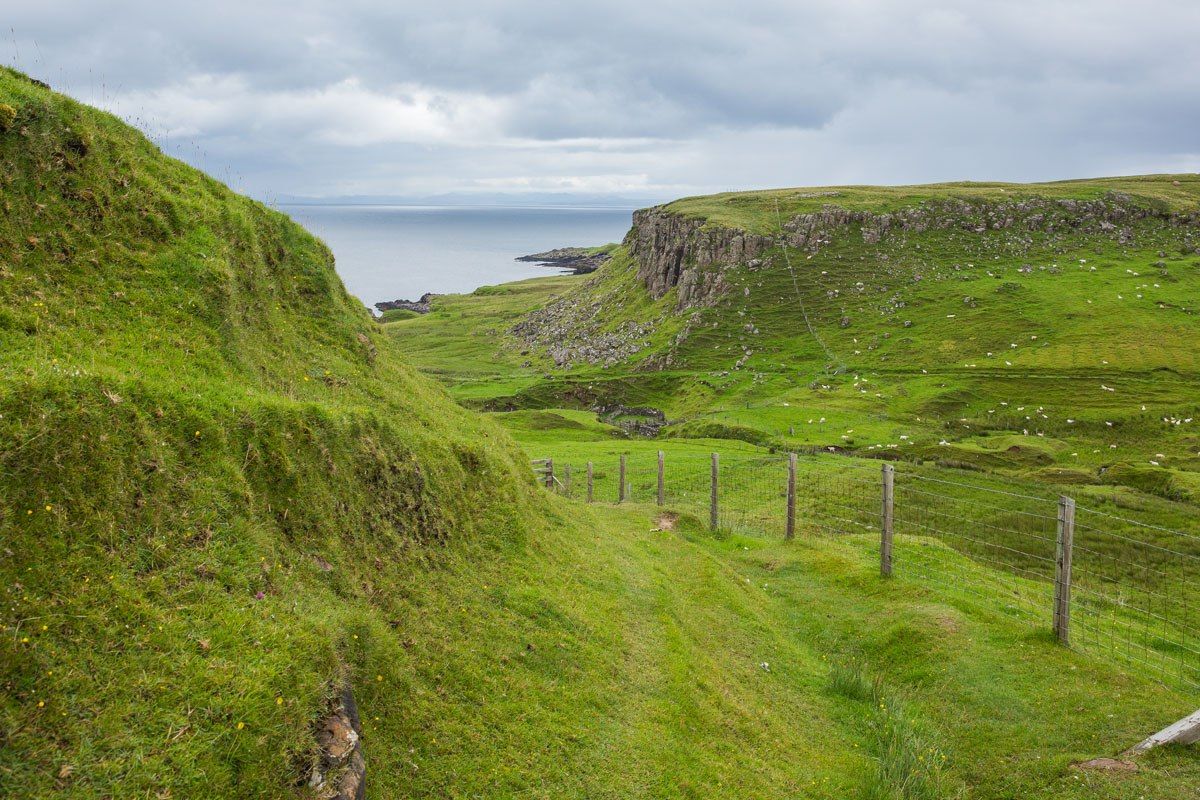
pixel 310 97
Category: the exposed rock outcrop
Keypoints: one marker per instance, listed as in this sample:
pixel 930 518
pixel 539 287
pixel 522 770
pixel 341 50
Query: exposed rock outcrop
pixel 341 771
pixel 634 420
pixel 669 247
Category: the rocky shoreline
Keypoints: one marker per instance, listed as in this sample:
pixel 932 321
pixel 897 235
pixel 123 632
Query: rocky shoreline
pixel 580 260
pixel 416 306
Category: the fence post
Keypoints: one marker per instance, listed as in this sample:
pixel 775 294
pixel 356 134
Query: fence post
pixel 567 480
pixel 1062 569
pixel 791 497
pixel 712 497
pixel 550 474
pixel 621 482
pixel 886 521
pixel 589 470
pixel 661 491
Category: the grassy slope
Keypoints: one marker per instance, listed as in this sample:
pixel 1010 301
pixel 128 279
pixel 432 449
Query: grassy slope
pixel 612 659
pixel 1044 417
pixel 217 480
pixel 1081 348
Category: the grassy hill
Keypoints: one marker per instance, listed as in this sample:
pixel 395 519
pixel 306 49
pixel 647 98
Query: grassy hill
pixel 223 496
pixel 217 479
pixel 1042 330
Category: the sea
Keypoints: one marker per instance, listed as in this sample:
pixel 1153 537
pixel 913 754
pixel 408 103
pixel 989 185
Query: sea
pixel 388 252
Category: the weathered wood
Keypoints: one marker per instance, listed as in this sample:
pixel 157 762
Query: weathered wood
pixel 662 495
pixel 712 498
pixel 791 497
pixel 1186 731
pixel 550 473
pixel 887 520
pixel 1062 569
pixel 621 482
pixel 591 486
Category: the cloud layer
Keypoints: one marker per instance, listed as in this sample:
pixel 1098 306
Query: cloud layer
pixel 641 98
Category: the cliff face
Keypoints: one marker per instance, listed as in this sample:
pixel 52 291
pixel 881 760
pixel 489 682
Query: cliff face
pixel 668 248
pixel 672 250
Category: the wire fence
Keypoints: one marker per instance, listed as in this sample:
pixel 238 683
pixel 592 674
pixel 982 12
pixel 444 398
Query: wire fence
pixel 1116 587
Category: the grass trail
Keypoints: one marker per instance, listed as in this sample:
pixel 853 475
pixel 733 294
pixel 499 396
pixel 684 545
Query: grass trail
pixel 610 659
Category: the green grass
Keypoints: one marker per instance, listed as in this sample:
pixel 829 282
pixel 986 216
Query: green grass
pixel 1075 349
pixel 1037 419
pixel 756 211
pixel 606 658
pixel 216 475
pixel 1037 362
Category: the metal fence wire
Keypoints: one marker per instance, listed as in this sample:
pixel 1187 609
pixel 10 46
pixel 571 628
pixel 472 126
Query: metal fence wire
pixel 1120 588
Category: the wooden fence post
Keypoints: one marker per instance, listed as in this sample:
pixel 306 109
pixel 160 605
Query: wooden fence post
pixel 886 521
pixel 621 482
pixel 1062 569
pixel 791 497
pixel 662 495
pixel 589 470
pixel 550 474
pixel 712 498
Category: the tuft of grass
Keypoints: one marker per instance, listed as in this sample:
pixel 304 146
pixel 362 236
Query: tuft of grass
pixel 909 762
pixel 850 681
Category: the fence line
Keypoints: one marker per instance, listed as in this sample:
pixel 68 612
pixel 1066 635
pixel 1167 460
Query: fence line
pixel 1117 587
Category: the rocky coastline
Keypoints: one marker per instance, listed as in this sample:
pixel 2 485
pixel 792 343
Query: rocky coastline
pixel 579 260
pixel 416 306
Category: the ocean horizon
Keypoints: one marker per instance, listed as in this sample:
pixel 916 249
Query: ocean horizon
pixel 391 252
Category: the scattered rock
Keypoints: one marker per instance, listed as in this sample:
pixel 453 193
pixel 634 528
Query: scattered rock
pixel 634 420
pixel 569 331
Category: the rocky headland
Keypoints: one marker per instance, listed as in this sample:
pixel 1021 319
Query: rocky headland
pixel 580 260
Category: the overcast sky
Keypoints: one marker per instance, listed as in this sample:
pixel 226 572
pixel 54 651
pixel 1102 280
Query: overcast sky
pixel 638 98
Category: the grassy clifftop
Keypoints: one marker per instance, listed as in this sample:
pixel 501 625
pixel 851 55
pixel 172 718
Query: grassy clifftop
pixel 1046 330
pixel 216 477
pixel 755 211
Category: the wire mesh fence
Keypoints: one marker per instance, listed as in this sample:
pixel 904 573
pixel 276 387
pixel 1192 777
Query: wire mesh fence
pixel 1106 584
